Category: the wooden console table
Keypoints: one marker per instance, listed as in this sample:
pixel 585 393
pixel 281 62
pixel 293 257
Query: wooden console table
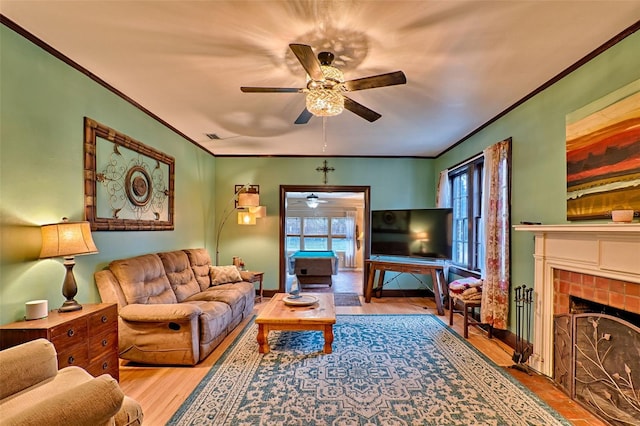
pixel 435 270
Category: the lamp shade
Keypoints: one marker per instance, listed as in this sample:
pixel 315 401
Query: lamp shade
pixel 421 236
pixel 259 212
pixel 67 239
pixel 246 218
pixel 248 199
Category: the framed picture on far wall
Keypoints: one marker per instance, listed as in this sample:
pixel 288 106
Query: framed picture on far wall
pixel 603 155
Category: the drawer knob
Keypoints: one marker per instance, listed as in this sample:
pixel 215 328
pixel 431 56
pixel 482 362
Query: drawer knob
pixel 105 365
pixel 104 319
pixel 104 342
pixel 71 360
pixel 70 332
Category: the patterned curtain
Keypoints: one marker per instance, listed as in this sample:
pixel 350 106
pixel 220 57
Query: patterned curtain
pixel 495 213
pixel 443 192
pixel 350 253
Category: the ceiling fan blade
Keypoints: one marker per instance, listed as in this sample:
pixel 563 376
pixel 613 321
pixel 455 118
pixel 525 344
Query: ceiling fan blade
pixel 361 110
pixel 308 60
pixel 304 117
pixel 381 80
pixel 271 89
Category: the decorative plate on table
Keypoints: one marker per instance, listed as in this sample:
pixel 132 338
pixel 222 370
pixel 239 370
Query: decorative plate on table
pixel 303 300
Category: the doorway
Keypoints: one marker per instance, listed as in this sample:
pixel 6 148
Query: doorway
pixel 329 201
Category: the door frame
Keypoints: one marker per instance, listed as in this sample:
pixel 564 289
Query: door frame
pixel 284 189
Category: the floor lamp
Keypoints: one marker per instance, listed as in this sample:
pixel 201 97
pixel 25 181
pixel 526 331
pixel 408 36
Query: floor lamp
pixel 247 199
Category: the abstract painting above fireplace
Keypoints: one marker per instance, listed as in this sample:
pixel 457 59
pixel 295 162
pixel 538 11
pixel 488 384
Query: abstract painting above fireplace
pixel 603 155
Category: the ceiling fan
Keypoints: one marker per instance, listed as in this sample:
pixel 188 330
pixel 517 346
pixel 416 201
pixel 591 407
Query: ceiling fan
pixel 326 88
pixel 313 201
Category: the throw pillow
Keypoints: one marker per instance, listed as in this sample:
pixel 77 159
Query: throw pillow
pixel 224 274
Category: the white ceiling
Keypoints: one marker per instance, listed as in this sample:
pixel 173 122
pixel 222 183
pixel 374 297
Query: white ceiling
pixel 465 62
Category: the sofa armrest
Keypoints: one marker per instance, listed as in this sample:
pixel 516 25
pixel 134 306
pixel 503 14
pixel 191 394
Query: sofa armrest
pixel 109 288
pixel 91 403
pixel 160 312
pixel 35 360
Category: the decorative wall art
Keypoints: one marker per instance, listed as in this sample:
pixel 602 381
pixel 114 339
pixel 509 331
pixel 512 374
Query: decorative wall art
pixel 129 186
pixel 603 156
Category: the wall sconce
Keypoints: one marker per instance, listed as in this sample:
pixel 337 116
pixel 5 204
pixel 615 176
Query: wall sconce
pixel 67 239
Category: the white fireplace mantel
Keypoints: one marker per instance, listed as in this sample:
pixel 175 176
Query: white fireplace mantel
pixel 610 250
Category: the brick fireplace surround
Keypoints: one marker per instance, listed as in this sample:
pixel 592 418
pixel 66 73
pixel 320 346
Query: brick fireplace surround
pixel 596 262
pixel 618 294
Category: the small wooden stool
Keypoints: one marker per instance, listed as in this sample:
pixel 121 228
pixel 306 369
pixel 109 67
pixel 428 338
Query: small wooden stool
pixel 468 308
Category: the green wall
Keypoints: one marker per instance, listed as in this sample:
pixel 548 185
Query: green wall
pixel 538 131
pixel 41 180
pixel 397 183
pixel 42 107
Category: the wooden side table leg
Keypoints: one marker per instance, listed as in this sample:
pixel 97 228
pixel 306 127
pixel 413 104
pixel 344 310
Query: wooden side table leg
pixel 328 339
pixel 452 304
pixel 378 289
pixel 466 319
pixel 369 289
pixel 437 291
pixel 263 341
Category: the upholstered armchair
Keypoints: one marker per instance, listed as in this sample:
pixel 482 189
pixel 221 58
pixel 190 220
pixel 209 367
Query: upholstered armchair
pixel 34 392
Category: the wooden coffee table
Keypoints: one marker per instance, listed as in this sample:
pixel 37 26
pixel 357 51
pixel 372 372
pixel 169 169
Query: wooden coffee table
pixel 277 316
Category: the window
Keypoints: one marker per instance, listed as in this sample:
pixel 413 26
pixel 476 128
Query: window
pixel 466 200
pixel 293 234
pixel 316 233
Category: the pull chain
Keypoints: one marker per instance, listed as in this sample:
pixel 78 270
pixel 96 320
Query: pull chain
pixel 324 134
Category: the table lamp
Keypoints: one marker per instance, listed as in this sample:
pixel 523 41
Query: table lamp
pixel 67 239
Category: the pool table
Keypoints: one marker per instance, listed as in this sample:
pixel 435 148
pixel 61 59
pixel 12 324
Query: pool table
pixel 314 266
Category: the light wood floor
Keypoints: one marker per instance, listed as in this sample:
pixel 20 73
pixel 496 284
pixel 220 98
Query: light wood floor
pixel 161 390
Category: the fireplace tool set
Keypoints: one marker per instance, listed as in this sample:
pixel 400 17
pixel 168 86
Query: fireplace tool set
pixel 524 348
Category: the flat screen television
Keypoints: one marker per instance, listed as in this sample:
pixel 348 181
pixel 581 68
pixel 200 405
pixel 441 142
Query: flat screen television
pixel 419 233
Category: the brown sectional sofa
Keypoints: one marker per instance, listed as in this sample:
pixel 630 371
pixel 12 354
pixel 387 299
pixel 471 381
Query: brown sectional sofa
pixel 169 311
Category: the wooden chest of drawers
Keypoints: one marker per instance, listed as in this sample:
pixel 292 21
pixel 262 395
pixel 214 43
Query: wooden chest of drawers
pixel 87 338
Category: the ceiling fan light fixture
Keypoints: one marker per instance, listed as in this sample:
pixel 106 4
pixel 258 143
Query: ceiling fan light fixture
pixel 312 201
pixel 332 73
pixel 324 102
pixel 324 98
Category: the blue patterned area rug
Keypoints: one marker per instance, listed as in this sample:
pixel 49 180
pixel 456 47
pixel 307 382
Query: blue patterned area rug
pixel 384 370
